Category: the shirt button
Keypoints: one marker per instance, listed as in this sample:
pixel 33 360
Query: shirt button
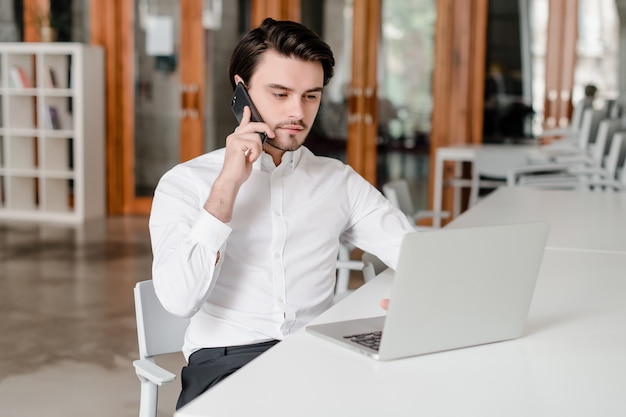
pixel 277 255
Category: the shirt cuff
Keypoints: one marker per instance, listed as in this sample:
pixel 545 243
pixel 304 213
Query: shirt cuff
pixel 210 232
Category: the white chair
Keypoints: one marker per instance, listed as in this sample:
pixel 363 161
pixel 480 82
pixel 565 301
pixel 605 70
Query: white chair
pixel 613 177
pixel 369 265
pixel 572 130
pixel 598 149
pixel 564 172
pixel 562 176
pixel 158 333
pixel 489 172
pixel 345 266
pixel 580 144
pixel 372 266
pixel 617 110
pixel 399 195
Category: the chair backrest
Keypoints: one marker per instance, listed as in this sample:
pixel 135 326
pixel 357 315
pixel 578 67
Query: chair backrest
pixel 621 178
pixel 616 110
pixel 615 178
pixel 589 128
pixel 602 144
pixel 158 331
pixel 615 156
pixel 577 114
pixel 344 266
pixel 621 160
pixel 372 266
pixel 399 195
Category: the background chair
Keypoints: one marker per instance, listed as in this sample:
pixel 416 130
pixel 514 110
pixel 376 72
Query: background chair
pixel 489 171
pixel 158 333
pixel 579 144
pixel 399 195
pixel 369 265
pixel 565 173
pixel 613 178
pixel 573 129
pixel 372 266
pixel 345 265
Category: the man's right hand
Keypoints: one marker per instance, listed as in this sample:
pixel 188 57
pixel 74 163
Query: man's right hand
pixel 243 147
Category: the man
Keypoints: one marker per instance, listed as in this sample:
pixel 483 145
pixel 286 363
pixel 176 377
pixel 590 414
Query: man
pixel 245 238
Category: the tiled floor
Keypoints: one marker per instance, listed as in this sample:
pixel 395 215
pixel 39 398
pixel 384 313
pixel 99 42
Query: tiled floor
pixel 68 335
pixel 68 327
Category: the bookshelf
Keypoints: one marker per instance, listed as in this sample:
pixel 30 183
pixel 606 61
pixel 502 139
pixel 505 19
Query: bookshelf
pixel 52 151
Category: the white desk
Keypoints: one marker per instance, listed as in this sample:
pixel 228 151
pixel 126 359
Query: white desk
pixel 572 361
pixel 579 220
pixel 495 160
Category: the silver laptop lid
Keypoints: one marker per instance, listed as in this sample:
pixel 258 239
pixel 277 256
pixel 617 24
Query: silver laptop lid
pixel 462 287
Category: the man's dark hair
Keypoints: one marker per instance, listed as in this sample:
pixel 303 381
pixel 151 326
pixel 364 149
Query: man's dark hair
pixel 288 38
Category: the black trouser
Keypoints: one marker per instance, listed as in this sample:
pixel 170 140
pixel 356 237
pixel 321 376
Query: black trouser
pixel 209 366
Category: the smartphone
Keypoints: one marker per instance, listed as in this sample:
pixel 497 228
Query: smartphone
pixel 242 99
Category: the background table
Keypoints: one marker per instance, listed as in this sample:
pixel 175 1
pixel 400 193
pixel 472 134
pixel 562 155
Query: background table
pixel 495 160
pixel 579 220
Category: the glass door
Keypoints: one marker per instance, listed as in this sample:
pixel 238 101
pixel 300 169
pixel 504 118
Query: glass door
pixel 157 84
pixel 169 63
pixel 401 86
pixel 376 108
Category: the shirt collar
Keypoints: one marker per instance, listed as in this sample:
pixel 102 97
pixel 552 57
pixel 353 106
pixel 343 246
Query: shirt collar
pixel 290 158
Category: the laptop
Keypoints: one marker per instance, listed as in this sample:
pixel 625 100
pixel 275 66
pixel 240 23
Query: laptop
pixel 453 288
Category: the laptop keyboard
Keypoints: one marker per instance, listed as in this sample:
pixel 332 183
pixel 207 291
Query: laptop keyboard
pixel 370 339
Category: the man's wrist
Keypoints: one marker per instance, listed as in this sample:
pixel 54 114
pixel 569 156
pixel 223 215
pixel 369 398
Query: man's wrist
pixel 222 199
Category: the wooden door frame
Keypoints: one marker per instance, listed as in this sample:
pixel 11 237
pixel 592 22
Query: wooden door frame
pixel 276 9
pixel 192 74
pixel 362 138
pixel 560 62
pixel 112 27
pixel 32 9
pixel 458 81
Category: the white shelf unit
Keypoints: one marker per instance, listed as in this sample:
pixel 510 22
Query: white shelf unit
pixel 52 139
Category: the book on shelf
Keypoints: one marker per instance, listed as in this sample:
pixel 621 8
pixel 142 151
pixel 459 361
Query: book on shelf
pixel 51 78
pixel 18 78
pixel 52 118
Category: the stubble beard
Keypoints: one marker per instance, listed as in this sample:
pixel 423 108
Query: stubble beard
pixel 292 141
pixel 291 144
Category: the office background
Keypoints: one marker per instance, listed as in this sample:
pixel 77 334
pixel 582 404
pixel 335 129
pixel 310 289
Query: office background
pixel 68 326
pixel 495 91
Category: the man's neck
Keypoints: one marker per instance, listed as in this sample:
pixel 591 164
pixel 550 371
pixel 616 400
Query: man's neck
pixel 275 153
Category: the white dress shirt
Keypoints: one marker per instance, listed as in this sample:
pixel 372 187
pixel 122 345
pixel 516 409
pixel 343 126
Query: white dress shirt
pixel 276 269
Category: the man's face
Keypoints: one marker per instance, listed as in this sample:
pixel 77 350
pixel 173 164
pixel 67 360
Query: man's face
pixel 287 92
